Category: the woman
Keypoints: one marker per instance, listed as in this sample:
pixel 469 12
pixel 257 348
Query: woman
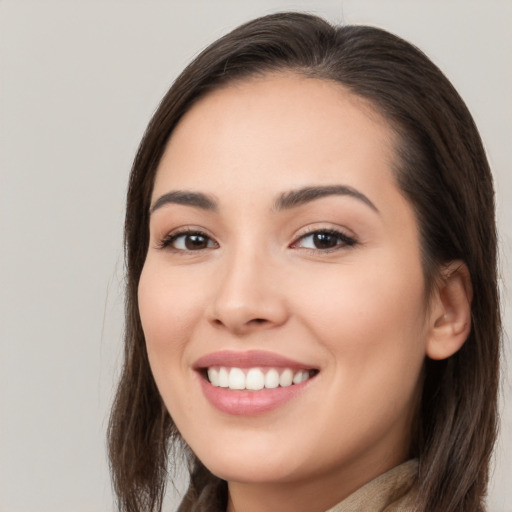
pixel 312 309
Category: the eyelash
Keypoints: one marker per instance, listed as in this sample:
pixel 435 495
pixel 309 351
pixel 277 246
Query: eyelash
pixel 343 240
pixel 167 241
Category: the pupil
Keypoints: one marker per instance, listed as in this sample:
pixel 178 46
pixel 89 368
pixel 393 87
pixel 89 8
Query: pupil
pixel 325 240
pixel 195 242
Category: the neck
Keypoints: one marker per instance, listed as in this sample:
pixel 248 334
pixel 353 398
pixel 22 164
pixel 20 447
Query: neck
pixel 310 495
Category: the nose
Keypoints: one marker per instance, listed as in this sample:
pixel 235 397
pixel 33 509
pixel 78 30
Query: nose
pixel 249 295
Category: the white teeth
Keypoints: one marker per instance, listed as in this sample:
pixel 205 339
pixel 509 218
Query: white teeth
pixel 272 379
pixel 286 378
pixel 236 379
pixel 254 379
pixel 223 378
pixel 300 377
pixel 213 376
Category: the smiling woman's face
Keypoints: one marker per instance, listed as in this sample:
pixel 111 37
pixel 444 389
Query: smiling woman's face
pixel 281 248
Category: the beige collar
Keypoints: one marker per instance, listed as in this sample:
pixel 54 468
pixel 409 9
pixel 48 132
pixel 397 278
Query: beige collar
pixel 389 492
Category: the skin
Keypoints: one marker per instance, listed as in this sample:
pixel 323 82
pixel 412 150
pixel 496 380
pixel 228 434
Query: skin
pixel 355 312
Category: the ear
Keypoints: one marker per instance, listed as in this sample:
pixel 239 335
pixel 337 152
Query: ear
pixel 450 320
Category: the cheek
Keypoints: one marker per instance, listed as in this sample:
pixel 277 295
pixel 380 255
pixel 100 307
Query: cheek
pixel 372 324
pixel 370 318
pixel 368 296
pixel 169 311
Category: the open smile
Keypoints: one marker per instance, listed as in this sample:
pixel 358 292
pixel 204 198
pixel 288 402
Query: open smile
pixel 253 382
pixel 255 379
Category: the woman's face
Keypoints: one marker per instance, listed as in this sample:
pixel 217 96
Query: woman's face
pixel 281 248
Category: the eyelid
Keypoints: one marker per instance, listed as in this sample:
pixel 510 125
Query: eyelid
pixel 348 240
pixel 165 242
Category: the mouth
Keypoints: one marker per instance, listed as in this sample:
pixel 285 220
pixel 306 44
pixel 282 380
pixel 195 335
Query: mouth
pixel 252 382
pixel 256 378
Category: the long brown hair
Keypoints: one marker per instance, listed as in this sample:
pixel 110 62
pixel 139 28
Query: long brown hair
pixel 442 170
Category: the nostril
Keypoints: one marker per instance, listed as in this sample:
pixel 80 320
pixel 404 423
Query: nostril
pixel 241 326
pixel 258 323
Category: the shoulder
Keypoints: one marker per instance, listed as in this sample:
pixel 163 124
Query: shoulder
pixel 392 491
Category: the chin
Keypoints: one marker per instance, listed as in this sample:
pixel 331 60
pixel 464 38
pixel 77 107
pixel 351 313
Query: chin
pixel 256 470
pixel 257 460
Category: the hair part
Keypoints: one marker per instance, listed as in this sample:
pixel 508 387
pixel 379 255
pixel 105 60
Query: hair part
pixel 441 169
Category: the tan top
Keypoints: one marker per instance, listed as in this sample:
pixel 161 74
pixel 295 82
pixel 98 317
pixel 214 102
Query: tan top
pixel 390 492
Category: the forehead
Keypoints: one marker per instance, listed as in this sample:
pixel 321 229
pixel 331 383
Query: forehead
pixel 278 126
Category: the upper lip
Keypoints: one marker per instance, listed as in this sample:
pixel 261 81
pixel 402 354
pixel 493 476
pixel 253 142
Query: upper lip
pixel 248 359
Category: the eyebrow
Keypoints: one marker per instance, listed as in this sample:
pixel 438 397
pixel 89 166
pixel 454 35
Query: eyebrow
pixel 285 201
pixel 187 198
pixel 295 198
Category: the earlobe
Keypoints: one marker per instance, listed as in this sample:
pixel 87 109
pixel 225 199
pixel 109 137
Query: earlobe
pixel 450 312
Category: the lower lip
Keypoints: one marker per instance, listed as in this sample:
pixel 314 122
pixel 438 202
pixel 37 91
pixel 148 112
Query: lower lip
pixel 250 403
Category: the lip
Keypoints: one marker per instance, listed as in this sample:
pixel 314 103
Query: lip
pixel 249 403
pixel 249 359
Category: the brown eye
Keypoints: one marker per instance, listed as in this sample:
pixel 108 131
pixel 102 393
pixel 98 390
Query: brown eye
pixel 195 242
pixel 324 240
pixel 189 241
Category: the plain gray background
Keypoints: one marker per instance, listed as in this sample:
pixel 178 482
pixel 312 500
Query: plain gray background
pixel 79 81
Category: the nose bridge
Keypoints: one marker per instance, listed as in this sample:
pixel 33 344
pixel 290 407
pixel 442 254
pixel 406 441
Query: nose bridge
pixel 247 295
